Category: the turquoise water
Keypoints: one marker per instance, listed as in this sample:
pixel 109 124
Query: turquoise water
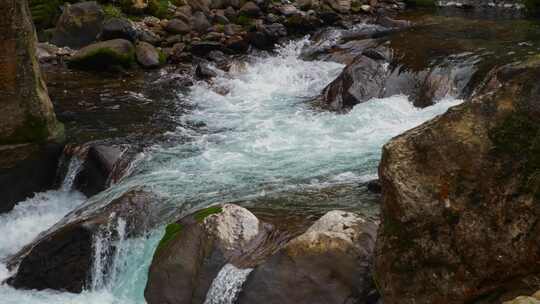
pixel 252 132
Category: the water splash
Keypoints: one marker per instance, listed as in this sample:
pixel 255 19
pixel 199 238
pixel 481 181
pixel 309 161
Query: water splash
pixel 260 136
pixel 109 249
pixel 74 167
pixel 227 285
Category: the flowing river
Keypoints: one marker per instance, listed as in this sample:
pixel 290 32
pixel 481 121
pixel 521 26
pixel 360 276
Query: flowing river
pixel 258 138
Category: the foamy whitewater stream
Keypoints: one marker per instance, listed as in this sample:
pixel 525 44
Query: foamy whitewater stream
pixel 261 136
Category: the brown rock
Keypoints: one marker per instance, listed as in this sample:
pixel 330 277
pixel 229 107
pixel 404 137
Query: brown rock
pixel 61 259
pixel 460 198
pixel 329 263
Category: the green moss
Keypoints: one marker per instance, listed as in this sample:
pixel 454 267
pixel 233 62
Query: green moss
pixel 518 137
pixel 171 231
pixel 104 59
pixel 45 13
pixel 159 8
pixel 34 129
pixel 162 57
pixel 204 213
pixel 244 21
pixel 112 11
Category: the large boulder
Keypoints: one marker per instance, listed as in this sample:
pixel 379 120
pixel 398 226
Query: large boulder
pixel 375 73
pixel 330 263
pixel 461 198
pixel 194 250
pixel 62 258
pixel 79 25
pixel 104 55
pixel 147 55
pixel 103 165
pixel 27 121
pixel 119 28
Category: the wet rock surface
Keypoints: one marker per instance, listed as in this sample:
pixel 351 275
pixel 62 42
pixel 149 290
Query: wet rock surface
pixel 79 25
pixel 287 252
pixel 26 169
pixel 62 258
pixel 329 263
pixel 459 206
pixel 29 131
pixel 194 249
pixel 106 55
pixel 413 57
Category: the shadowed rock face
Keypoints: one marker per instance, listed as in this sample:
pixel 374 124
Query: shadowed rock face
pixel 27 120
pixel 460 206
pixel 27 113
pixel 194 249
pixel 62 258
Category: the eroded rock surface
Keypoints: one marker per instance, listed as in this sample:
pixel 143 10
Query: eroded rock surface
pixel 329 263
pixel 194 249
pixel 460 198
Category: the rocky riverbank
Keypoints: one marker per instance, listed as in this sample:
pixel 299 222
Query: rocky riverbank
pixel 218 170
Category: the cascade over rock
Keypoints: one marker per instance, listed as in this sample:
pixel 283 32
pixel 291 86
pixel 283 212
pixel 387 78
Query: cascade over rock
pixel 61 258
pixel 194 249
pixel 460 198
pixel 27 121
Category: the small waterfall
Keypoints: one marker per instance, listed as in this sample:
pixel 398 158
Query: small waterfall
pixel 109 250
pixel 74 167
pixel 227 285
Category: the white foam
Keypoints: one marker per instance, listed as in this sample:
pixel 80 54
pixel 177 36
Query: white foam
pixel 227 285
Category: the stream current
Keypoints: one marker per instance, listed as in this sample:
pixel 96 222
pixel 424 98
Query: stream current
pixel 251 133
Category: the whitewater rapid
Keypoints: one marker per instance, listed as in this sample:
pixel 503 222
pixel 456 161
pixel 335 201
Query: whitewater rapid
pixel 251 132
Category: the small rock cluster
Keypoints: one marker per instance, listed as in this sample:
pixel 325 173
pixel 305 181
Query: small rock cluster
pixel 195 28
pixel 329 263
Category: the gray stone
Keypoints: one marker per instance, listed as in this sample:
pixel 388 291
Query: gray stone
pixel 79 25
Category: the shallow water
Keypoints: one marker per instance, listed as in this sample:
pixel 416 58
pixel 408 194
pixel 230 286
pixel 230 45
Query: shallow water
pixel 261 138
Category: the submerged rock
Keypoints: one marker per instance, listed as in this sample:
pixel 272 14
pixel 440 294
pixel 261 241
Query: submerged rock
pixel 377 74
pixel 460 198
pixel 62 258
pixel 194 249
pixel 79 25
pixel 329 263
pixel 104 55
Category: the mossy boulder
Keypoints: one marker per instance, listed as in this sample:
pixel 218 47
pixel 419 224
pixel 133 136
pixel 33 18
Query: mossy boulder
pixel 104 55
pixel 460 198
pixel 194 249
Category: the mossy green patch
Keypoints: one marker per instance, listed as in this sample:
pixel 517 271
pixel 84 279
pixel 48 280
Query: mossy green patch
pixel 104 59
pixel 204 213
pixel 34 129
pixel 518 136
pixel 162 57
pixel 159 8
pixel 244 21
pixel 171 231
pixel 112 11
pixel 46 12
